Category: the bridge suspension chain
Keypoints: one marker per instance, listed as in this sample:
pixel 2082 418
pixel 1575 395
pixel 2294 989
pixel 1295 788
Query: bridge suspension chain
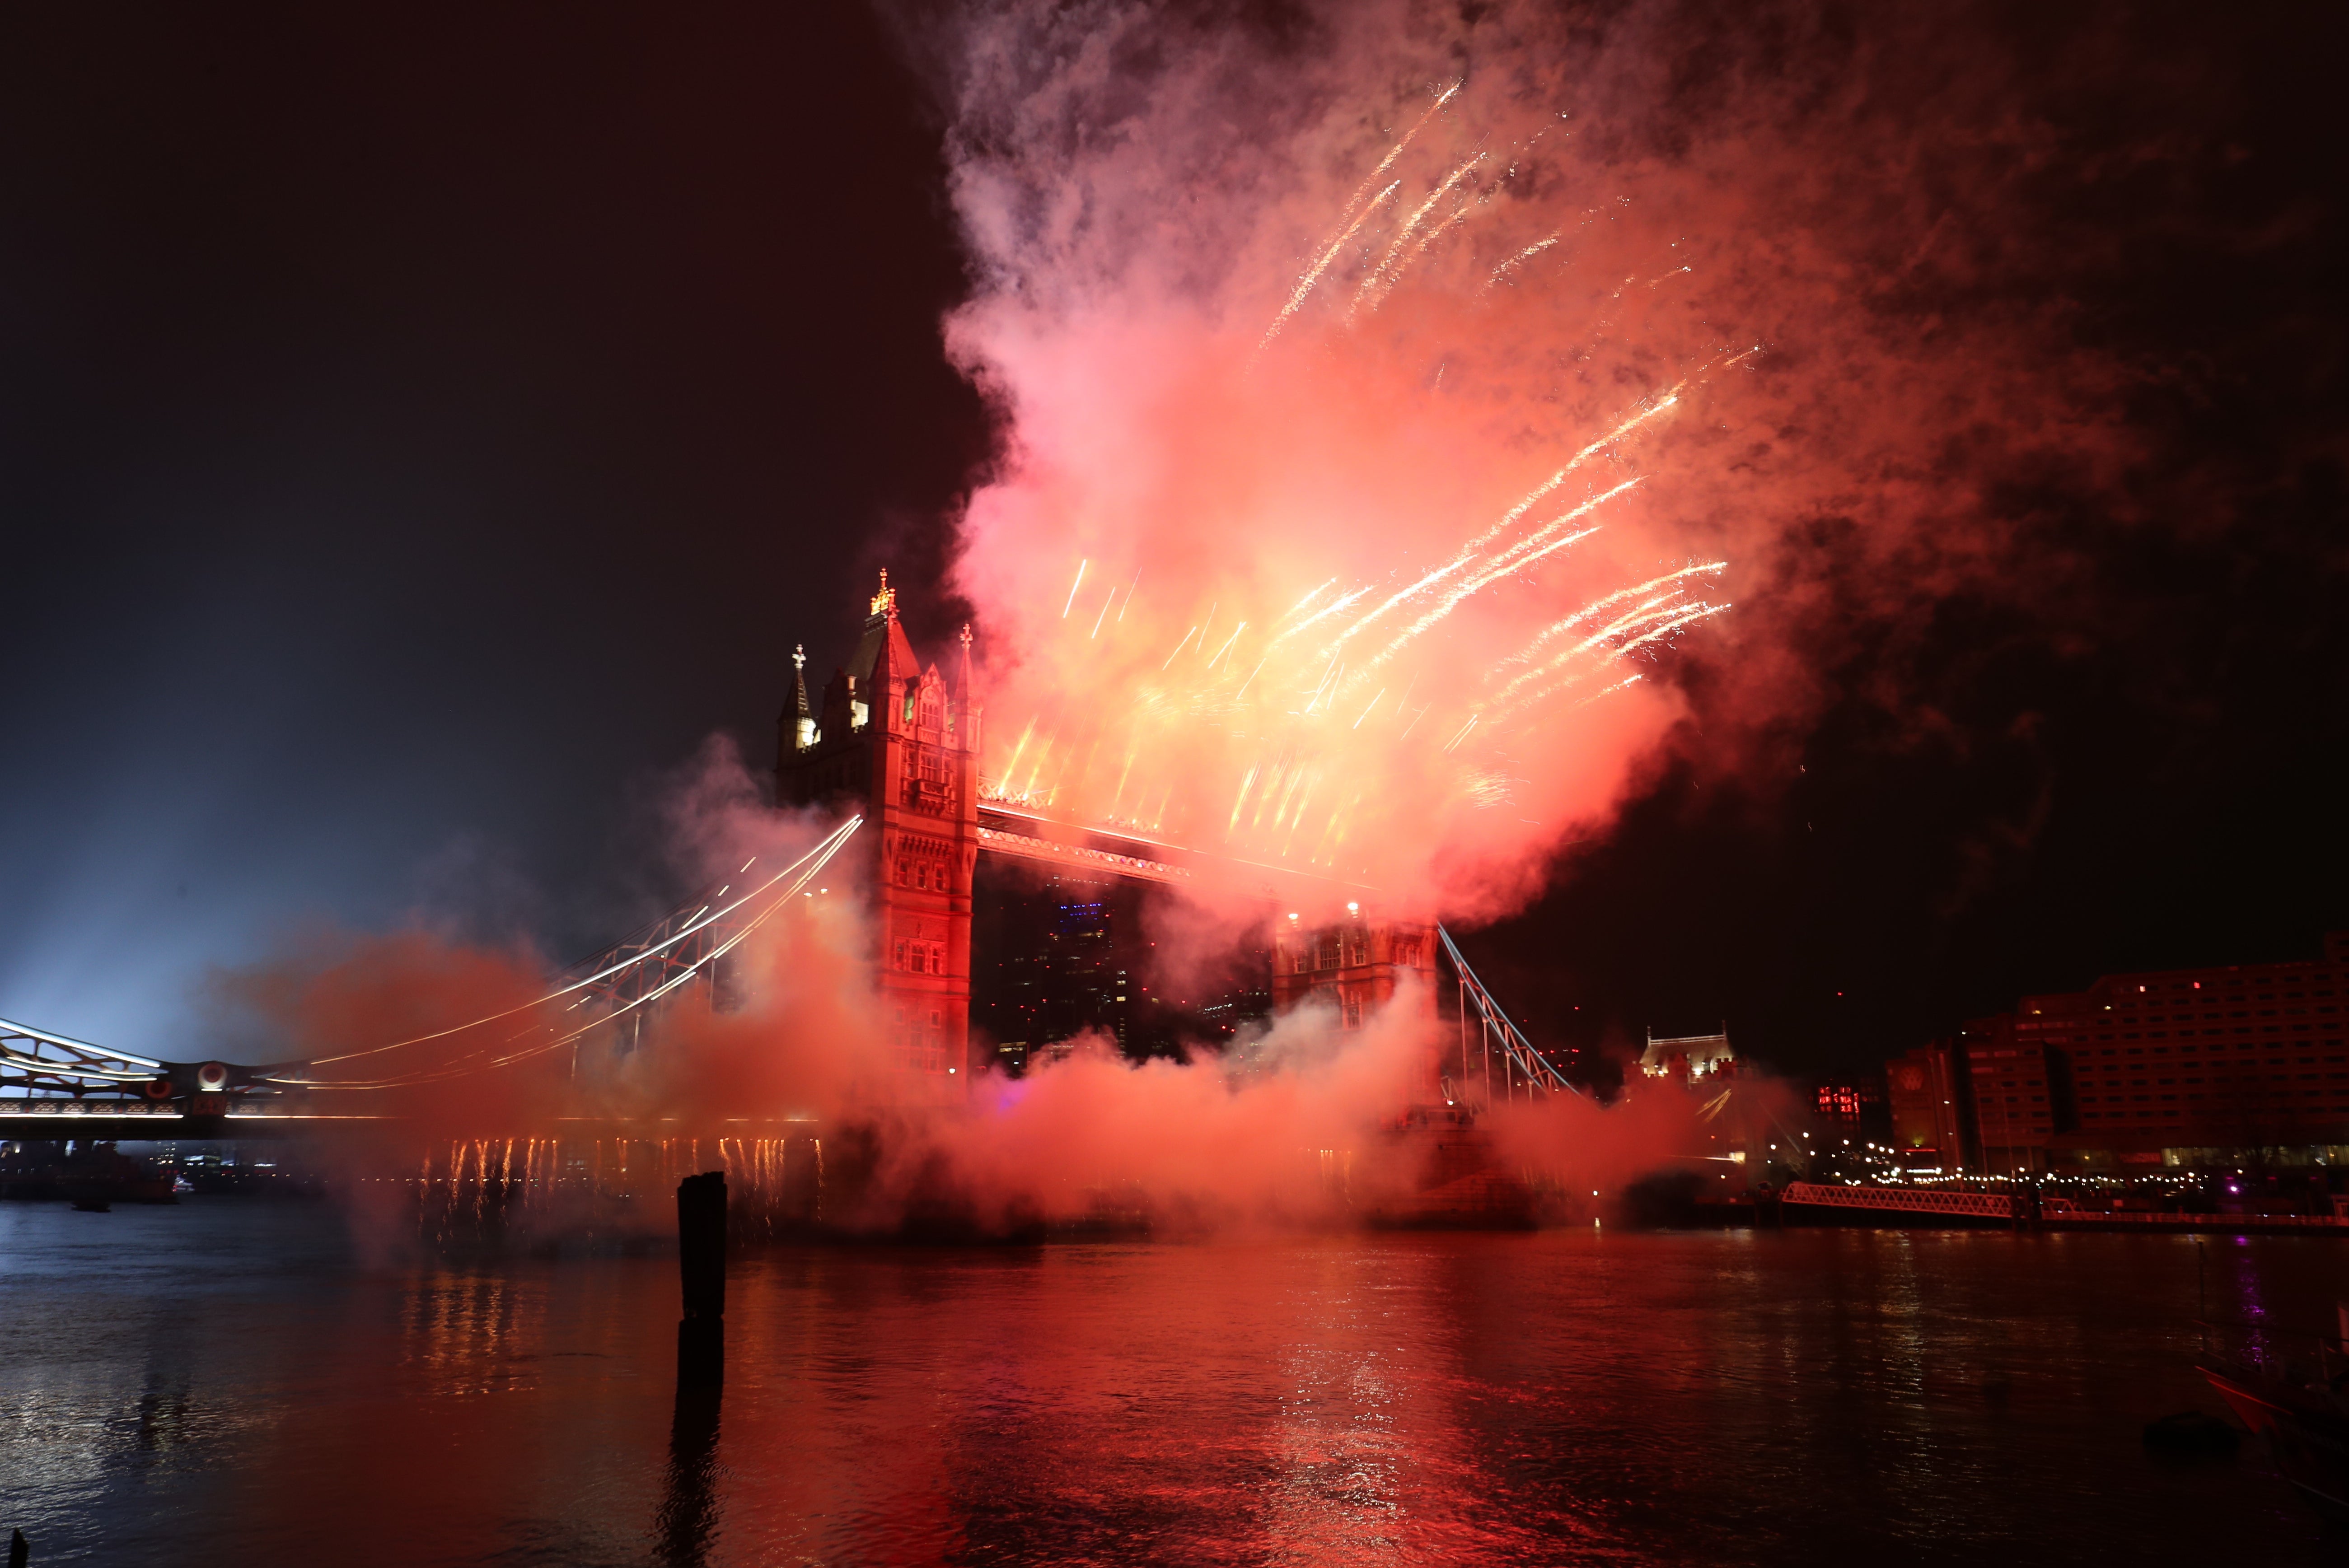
pixel 633 973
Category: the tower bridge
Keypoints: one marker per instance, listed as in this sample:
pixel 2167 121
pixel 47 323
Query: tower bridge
pixel 889 747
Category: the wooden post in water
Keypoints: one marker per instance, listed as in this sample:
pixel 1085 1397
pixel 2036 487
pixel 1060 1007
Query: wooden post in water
pixel 701 1269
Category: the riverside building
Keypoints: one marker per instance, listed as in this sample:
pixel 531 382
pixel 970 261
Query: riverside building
pixel 2169 1067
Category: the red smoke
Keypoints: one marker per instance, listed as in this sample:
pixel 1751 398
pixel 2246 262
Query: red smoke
pixel 1392 402
pixel 1389 304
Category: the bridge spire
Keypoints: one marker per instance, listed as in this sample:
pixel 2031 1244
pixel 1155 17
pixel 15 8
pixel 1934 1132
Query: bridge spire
pixel 965 706
pixel 797 726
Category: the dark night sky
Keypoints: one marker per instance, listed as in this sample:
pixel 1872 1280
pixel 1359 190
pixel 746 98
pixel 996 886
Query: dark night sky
pixel 419 429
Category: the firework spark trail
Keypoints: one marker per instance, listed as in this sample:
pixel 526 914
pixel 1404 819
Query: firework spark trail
pixel 1313 273
pixel 1043 756
pixel 1669 400
pixel 1698 613
pixel 1609 690
pixel 1426 583
pixel 1012 767
pixel 1396 151
pixel 1452 600
pixel 1310 596
pixel 1637 616
pixel 1536 544
pixel 1552 548
pixel 1261 748
pixel 1521 258
pixel 1467 554
pixel 1324 613
pixel 1559 628
pixel 1675 618
pixel 1386 272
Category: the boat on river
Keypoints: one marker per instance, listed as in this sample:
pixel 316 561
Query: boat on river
pixel 2301 1409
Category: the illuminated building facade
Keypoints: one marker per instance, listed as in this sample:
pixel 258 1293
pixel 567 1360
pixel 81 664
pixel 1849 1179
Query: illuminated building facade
pixel 1353 966
pixel 899 743
pixel 2139 1069
pixel 1849 1108
pixel 2243 1056
pixel 2017 1090
pixel 1691 1059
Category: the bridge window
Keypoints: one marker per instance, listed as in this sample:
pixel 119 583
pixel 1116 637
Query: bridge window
pixel 922 876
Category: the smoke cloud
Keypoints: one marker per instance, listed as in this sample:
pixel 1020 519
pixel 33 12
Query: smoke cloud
pixel 1401 408
pixel 1400 401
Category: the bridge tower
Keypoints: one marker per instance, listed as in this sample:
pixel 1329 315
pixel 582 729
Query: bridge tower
pixel 1355 963
pixel 899 743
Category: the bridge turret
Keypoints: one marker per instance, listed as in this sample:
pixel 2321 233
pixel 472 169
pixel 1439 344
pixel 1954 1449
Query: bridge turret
pixel 796 730
pixel 887 680
pixel 962 700
pixel 839 715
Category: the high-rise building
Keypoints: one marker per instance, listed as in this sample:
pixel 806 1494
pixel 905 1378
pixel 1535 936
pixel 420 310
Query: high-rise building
pixel 2242 1056
pixel 2018 1094
pixel 898 742
pixel 1931 1106
pixel 2167 1066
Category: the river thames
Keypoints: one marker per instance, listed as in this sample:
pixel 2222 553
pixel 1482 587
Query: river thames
pixel 234 1381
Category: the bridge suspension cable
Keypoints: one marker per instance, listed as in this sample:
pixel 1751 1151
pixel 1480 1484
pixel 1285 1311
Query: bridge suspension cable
pixel 629 975
pixel 1517 1051
pixel 656 965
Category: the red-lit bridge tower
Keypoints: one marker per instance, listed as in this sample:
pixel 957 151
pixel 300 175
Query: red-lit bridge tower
pixel 1355 964
pixel 899 743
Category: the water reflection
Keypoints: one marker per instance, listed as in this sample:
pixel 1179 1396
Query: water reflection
pixel 246 1390
pixel 689 1511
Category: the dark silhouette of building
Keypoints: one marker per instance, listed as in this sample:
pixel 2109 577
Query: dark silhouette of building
pixel 1060 956
pixel 1932 1107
